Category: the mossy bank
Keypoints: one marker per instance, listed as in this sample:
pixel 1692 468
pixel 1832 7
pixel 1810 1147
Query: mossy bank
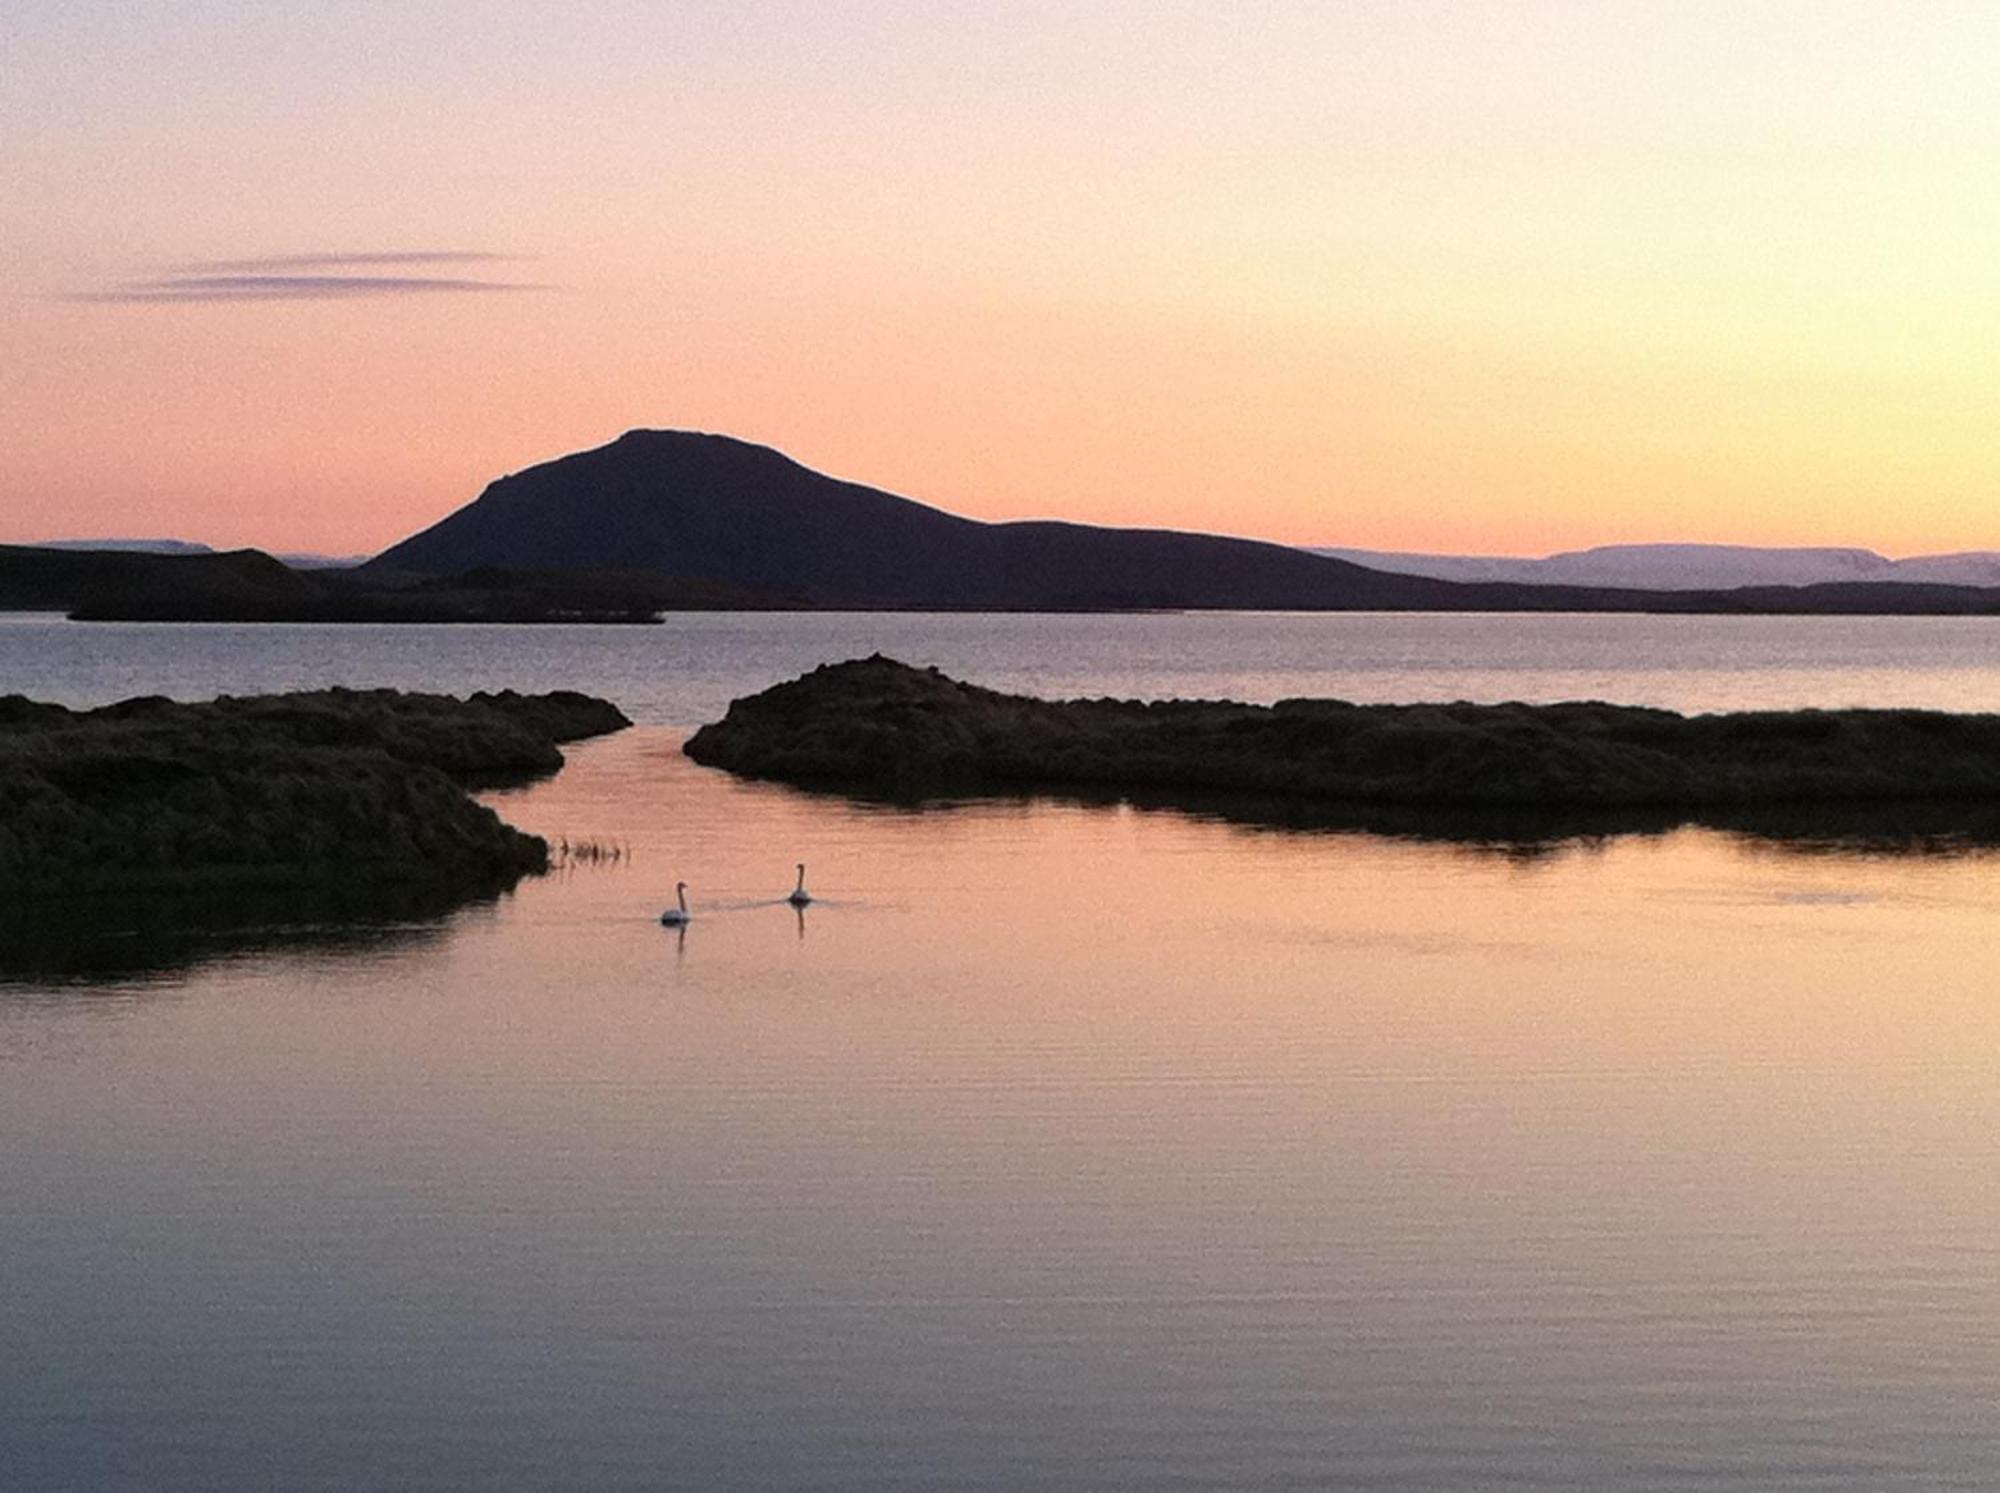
pixel 884 726
pixel 344 788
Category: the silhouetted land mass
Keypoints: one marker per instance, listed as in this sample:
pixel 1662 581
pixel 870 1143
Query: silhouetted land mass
pixel 61 580
pixel 250 586
pixel 663 520
pixel 498 594
pixel 335 793
pixel 724 512
pixel 885 727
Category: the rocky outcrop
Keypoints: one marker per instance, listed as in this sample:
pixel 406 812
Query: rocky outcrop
pixel 883 725
pixel 330 787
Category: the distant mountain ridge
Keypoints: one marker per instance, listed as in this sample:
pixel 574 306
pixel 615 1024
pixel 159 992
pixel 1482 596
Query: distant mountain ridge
pixel 297 560
pixel 676 520
pixel 712 510
pixel 127 546
pixel 1688 567
pixel 60 578
pixel 718 510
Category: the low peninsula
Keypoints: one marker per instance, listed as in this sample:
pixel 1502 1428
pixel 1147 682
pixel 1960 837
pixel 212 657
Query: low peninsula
pixel 884 727
pixel 334 791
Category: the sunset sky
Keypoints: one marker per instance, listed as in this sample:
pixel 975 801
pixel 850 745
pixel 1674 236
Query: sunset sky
pixel 1512 276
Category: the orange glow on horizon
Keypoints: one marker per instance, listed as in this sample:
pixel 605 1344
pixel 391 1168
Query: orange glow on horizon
pixel 1487 286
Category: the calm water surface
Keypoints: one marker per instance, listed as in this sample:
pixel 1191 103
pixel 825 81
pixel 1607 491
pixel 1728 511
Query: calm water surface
pixel 1056 1146
pixel 688 670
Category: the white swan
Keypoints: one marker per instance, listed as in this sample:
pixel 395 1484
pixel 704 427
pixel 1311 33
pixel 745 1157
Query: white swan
pixel 678 915
pixel 800 896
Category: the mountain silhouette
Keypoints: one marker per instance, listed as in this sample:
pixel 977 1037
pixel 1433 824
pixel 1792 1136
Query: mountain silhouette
pixel 722 511
pixel 675 520
pixel 714 511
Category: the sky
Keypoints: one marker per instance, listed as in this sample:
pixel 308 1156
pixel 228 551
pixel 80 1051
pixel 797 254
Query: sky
pixel 1492 277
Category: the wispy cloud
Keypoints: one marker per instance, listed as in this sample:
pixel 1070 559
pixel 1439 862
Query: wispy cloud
pixel 273 279
pixel 281 263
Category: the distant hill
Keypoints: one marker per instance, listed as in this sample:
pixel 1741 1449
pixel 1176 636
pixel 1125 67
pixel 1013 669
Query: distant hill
pixel 131 546
pixel 306 560
pixel 298 560
pixel 1689 567
pixel 58 578
pixel 672 520
pixel 720 511
pixel 717 511
pixel 250 586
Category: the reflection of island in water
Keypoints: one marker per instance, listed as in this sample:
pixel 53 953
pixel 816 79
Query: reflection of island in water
pixel 102 937
pixel 152 832
pixel 1860 829
pixel 1944 830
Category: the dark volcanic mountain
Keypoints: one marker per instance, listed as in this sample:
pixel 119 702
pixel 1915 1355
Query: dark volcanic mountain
pixel 713 509
pixel 670 520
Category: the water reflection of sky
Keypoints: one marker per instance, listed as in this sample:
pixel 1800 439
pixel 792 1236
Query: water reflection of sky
pixel 689 668
pixel 1070 1146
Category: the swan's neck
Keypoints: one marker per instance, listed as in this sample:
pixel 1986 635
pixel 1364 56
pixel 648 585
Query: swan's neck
pixel 681 896
pixel 802 881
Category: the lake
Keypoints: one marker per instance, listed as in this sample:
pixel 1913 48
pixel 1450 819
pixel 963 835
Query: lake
pixel 1056 1145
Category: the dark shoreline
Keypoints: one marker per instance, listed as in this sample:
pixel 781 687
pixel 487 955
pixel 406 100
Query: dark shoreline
pixel 247 586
